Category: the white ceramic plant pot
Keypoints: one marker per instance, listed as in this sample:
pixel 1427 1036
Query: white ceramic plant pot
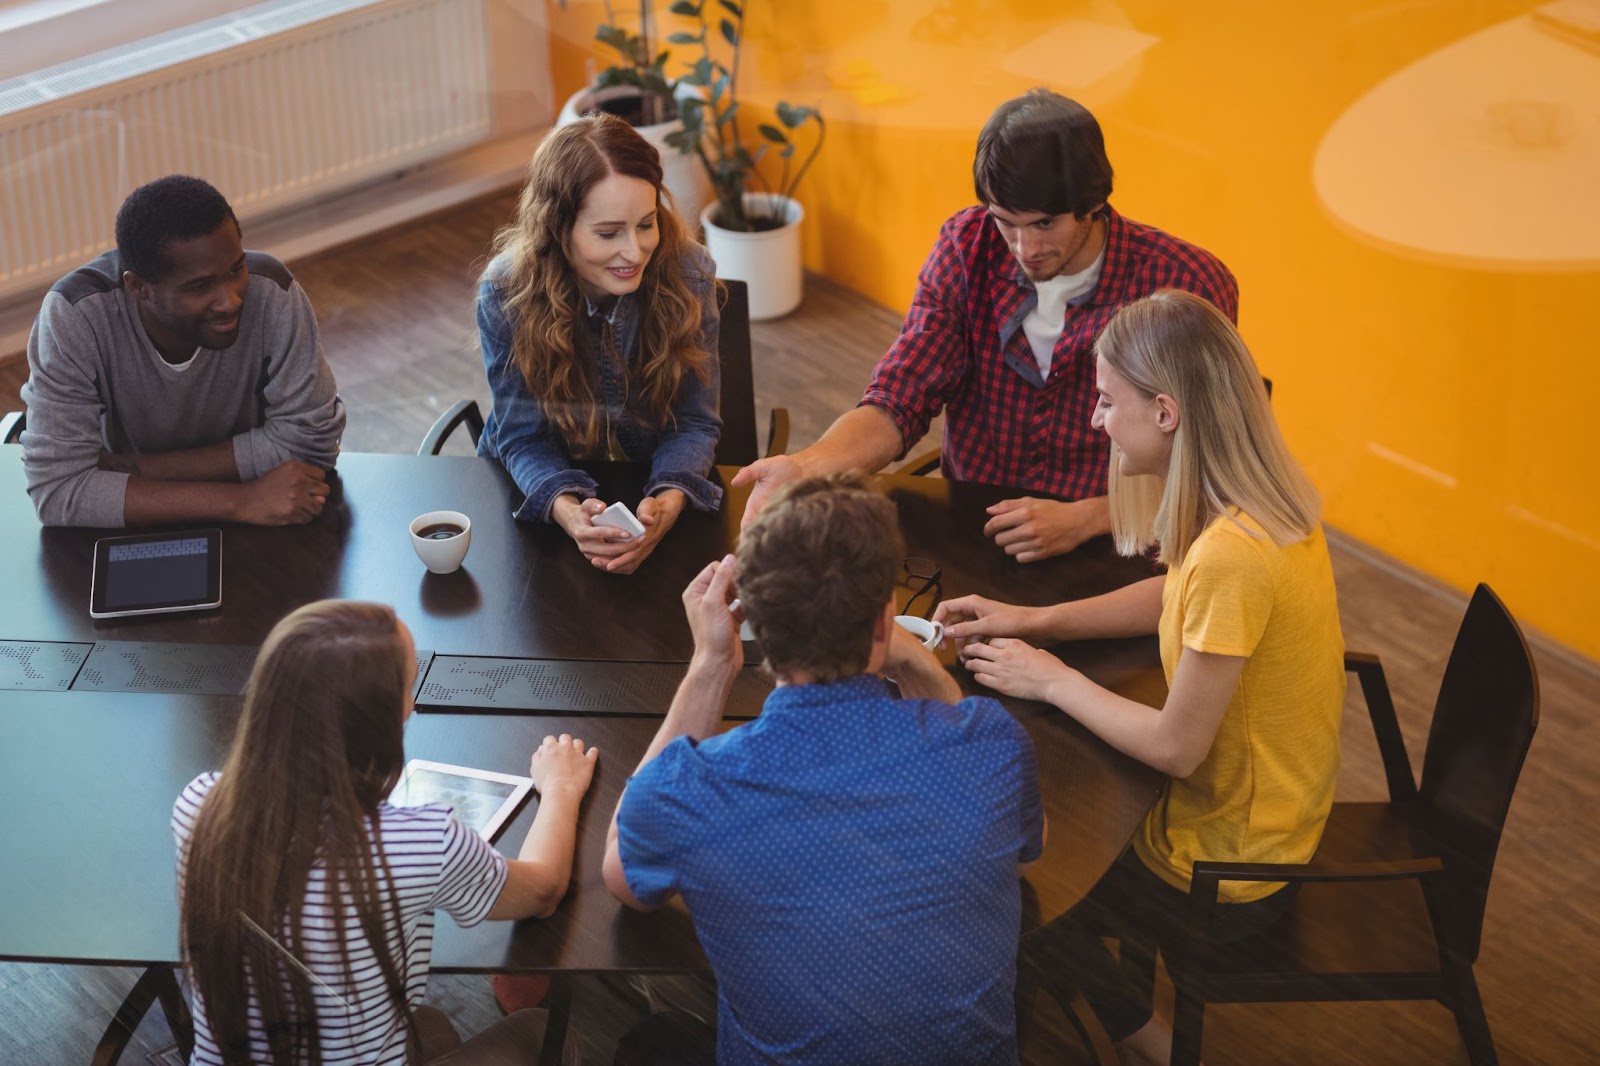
pixel 767 260
pixel 683 175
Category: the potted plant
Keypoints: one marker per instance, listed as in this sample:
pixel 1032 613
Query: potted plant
pixel 636 88
pixel 754 235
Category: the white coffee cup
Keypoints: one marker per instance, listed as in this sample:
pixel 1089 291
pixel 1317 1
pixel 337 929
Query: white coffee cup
pixel 930 633
pixel 441 554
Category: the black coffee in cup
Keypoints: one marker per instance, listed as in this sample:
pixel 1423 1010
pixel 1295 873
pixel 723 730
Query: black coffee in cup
pixel 440 531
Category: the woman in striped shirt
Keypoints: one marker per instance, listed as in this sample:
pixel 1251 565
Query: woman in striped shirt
pixel 308 900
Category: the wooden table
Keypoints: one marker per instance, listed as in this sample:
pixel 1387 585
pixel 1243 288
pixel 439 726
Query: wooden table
pixel 87 779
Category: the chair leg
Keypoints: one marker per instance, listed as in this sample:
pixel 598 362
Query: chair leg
pixel 1138 962
pixel 1023 999
pixel 558 1001
pixel 173 1005
pixel 1465 1003
pixel 1188 1018
pixel 150 985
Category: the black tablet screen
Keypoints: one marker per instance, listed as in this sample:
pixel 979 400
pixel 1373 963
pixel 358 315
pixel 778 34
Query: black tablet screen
pixel 162 571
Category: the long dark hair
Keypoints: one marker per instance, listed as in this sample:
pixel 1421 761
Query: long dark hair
pixel 318 748
pixel 543 301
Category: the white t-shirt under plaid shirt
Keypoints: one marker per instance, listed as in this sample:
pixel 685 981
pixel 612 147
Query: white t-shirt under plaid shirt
pixel 435 863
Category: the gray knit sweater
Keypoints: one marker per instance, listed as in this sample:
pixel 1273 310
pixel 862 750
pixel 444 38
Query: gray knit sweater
pixel 96 381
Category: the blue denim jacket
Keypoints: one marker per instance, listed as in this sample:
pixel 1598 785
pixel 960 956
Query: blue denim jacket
pixel 518 434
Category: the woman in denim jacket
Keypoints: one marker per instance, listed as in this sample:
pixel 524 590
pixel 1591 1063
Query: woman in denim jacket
pixel 598 323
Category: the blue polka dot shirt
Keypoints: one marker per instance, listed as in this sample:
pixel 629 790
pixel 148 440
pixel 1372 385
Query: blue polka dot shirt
pixel 849 860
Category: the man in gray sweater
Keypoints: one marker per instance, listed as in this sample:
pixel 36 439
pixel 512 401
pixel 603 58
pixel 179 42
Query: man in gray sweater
pixel 178 378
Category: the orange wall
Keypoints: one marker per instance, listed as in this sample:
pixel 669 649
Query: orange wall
pixel 1422 293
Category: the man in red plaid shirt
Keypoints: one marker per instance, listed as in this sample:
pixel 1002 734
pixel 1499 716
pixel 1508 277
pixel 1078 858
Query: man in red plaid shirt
pixel 1001 332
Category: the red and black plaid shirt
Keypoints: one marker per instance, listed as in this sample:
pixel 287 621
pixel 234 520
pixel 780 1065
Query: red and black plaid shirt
pixel 962 348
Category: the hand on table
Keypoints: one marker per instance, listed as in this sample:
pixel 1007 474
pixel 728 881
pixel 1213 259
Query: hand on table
pixel 1031 529
pixel 563 763
pixel 599 544
pixel 657 514
pixel 292 493
pixel 766 476
pixel 715 629
pixel 1015 668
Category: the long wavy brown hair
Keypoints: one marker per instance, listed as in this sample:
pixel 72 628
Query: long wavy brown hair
pixel 319 746
pixel 544 305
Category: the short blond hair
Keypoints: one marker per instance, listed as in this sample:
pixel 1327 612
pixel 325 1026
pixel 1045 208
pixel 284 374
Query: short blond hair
pixel 1227 450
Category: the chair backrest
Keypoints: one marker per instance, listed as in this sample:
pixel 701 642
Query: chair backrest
pixel 1483 722
pixel 738 445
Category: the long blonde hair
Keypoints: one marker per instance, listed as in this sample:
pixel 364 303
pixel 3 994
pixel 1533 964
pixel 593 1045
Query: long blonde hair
pixel 544 305
pixel 1226 451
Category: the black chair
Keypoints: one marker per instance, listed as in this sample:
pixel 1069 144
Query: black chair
pixel 12 423
pixel 1391 906
pixel 157 984
pixel 461 412
pixel 738 444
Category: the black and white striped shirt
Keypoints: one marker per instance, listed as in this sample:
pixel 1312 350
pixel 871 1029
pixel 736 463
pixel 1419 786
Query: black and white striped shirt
pixel 435 863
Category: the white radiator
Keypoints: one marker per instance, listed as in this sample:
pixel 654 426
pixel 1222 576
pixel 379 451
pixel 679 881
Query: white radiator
pixel 273 105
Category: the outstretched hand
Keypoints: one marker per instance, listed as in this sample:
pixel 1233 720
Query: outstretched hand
pixel 968 618
pixel 765 476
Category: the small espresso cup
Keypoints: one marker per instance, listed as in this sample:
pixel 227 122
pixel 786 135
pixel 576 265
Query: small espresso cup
pixel 930 633
pixel 441 539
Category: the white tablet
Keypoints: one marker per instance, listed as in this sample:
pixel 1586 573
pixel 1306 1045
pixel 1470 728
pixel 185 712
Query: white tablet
pixel 482 800
pixel 155 573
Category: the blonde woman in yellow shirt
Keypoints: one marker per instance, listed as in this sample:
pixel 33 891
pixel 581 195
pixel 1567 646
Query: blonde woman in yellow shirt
pixel 1250 644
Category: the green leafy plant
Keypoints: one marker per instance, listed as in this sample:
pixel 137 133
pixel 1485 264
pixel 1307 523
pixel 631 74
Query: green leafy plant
pixel 641 66
pixel 711 125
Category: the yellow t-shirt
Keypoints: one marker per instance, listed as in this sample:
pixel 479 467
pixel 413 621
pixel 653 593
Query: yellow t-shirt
pixel 1263 792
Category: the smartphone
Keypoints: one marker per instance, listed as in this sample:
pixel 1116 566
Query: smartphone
pixel 618 516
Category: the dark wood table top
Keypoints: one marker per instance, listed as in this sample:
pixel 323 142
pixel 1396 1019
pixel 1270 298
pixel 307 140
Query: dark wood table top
pixel 87 779
pixel 524 591
pixel 87 831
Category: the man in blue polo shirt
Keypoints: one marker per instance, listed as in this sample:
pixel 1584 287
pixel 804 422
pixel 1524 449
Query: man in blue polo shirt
pixel 850 859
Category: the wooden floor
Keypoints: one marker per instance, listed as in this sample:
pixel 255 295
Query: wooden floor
pixel 396 316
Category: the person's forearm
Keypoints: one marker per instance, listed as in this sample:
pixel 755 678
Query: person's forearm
pixel 537 879
pixel 213 462
pixel 1175 739
pixel 927 681
pixel 150 503
pixel 697 707
pixel 554 831
pixel 1098 508
pixel 1131 611
pixel 863 438
pixel 1131 727
pixel 552 838
pixel 696 712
